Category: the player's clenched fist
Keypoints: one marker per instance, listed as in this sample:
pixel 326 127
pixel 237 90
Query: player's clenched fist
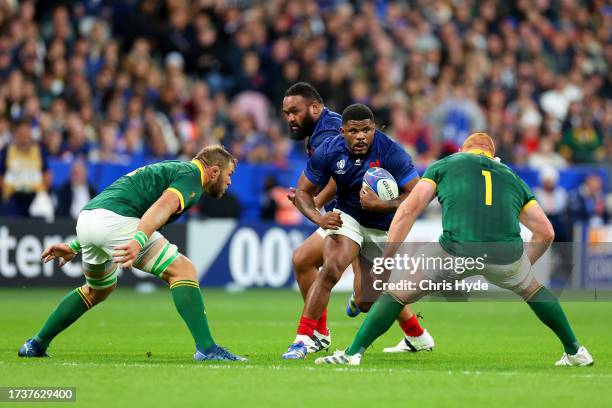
pixel 126 254
pixel 369 200
pixel 330 220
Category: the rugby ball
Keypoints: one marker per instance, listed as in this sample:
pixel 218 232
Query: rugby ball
pixel 381 182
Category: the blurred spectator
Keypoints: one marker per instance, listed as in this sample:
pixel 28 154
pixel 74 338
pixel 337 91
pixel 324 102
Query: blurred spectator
pixel 453 68
pixel 75 193
pixel 456 118
pixel 546 157
pixel 5 132
pixel 506 148
pixel 106 150
pixel 530 139
pixel 588 204
pixel 268 203
pixel 76 146
pixel 23 171
pixel 554 201
pixel 124 82
pixel 582 141
pixel 557 100
pixel 276 207
pixel 252 77
pixel 412 131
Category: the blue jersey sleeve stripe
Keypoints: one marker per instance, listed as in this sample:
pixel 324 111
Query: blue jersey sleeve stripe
pixel 409 177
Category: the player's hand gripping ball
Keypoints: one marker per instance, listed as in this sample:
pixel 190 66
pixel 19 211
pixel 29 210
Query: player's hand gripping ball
pixel 381 182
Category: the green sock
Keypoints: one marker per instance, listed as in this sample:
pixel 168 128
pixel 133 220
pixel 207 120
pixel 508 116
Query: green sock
pixel 190 305
pixel 72 306
pixel 549 311
pixel 380 317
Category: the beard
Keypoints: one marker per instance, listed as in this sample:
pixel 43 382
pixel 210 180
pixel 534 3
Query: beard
pixel 217 190
pixel 305 130
pixel 363 147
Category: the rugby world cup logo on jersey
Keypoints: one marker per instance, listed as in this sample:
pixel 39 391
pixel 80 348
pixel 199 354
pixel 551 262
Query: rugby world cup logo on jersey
pixel 340 164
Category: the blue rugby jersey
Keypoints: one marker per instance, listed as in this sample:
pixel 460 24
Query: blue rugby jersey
pixel 333 159
pixel 328 125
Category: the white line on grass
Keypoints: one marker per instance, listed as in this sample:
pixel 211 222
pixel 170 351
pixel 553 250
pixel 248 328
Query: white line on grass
pixel 241 366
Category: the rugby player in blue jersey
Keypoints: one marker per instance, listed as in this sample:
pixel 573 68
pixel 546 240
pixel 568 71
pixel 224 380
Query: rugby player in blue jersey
pixel 351 142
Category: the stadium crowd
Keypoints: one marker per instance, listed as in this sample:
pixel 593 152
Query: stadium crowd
pixel 117 81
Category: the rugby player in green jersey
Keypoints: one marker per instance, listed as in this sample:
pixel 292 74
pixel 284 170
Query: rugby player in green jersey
pixel 119 228
pixel 482 202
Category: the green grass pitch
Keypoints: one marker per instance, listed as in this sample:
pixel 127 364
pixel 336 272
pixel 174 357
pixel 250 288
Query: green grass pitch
pixel 486 354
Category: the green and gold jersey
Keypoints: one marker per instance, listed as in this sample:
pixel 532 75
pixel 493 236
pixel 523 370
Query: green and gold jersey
pixel 133 194
pixel 481 202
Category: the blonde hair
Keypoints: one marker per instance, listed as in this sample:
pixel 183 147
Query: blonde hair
pixel 481 139
pixel 216 155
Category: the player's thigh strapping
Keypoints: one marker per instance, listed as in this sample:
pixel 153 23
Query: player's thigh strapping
pixel 100 231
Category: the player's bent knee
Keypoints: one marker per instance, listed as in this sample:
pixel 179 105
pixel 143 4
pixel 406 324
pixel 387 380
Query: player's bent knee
pixel 181 269
pixel 334 266
pixel 96 296
pixel 298 259
pixel 527 289
pixel 160 258
pixel 303 259
pixel 330 274
pixel 405 297
pixel 101 276
pixel 414 297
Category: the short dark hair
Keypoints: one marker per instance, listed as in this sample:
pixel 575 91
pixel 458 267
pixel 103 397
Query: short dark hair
pixel 357 111
pixel 305 90
pixel 215 155
pixel 22 122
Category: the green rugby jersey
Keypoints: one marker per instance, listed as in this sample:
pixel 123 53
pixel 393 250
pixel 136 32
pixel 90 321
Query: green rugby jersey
pixel 481 201
pixel 133 194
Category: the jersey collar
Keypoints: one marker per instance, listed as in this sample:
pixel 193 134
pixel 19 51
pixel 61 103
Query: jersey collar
pixel 481 152
pixel 319 123
pixel 201 168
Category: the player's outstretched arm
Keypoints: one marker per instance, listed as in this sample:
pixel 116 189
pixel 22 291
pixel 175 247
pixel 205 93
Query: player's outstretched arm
pixel 534 218
pixel 407 214
pixel 155 217
pixel 305 202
